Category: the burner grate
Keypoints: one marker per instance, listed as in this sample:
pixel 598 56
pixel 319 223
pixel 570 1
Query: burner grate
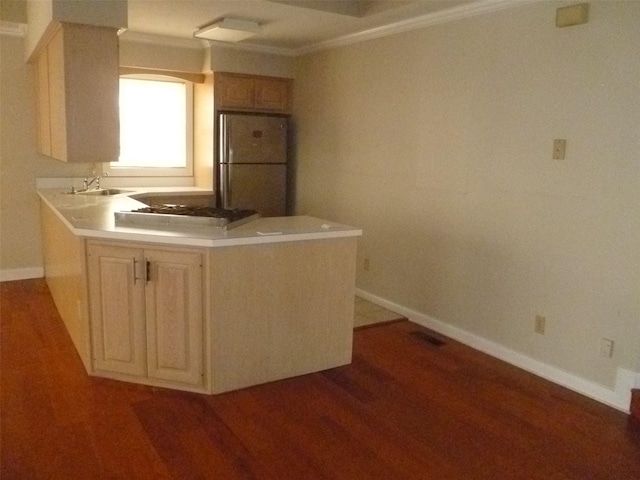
pixel 196 211
pixel 167 215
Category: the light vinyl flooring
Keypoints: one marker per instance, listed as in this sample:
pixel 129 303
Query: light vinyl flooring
pixel 367 313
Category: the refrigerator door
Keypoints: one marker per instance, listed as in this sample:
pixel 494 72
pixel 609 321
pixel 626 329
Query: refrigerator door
pixel 253 139
pixel 257 187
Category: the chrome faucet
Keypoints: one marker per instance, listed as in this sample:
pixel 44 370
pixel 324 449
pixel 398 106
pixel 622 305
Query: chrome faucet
pixel 86 183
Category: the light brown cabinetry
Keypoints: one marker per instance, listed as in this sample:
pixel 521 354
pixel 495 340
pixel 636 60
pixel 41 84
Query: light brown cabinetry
pixel 42 102
pixel 146 307
pixel 208 319
pixel 237 91
pixel 77 80
pixel 64 269
pixel 281 310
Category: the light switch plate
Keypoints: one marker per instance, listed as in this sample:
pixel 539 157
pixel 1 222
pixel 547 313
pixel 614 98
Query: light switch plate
pixel 572 15
pixel 606 348
pixel 559 146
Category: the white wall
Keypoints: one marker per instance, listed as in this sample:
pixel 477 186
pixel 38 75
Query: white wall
pixel 42 15
pixel 163 53
pixel 20 165
pixel 438 142
pixel 231 59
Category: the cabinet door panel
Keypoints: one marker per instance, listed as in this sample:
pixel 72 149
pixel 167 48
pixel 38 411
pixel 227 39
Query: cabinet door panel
pixel 57 97
pixel 235 91
pixel 117 310
pixel 174 317
pixel 272 94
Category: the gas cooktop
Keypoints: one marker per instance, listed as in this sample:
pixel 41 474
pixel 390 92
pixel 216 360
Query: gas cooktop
pixel 184 215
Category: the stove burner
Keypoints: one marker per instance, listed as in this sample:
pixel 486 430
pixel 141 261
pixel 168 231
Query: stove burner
pixel 191 216
pixel 197 211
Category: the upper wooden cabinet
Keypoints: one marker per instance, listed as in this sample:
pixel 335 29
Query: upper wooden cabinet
pixel 253 93
pixel 77 80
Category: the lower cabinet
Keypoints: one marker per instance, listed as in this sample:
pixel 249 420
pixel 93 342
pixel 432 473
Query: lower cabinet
pixel 146 308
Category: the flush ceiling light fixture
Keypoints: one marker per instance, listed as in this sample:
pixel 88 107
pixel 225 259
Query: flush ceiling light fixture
pixel 229 30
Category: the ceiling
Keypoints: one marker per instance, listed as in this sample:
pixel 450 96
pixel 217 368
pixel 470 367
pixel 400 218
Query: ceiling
pixel 288 26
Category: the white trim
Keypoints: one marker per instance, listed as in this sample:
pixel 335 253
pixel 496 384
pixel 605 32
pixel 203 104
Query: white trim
pixel 129 36
pixel 618 398
pixel 21 274
pixel 443 16
pixel 13 29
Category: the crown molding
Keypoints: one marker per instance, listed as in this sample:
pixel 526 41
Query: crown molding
pixel 473 9
pixel 166 41
pixel 444 16
pixel 13 29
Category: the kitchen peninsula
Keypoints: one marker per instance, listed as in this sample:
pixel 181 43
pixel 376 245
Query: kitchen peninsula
pixel 198 308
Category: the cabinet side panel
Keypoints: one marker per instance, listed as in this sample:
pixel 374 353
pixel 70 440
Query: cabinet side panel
pixel 92 86
pixel 204 136
pixel 64 267
pixel 57 96
pixel 281 310
pixel 43 109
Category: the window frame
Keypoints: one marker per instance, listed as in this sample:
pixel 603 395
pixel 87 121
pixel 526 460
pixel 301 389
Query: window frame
pixel 114 170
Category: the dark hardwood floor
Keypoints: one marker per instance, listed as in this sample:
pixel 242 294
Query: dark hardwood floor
pixel 412 405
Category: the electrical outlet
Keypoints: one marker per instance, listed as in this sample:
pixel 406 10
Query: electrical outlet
pixel 559 147
pixel 606 348
pixel 540 324
pixel 365 264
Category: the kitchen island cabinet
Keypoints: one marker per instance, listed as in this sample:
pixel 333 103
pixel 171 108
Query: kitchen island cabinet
pixel 146 313
pixel 281 310
pixel 65 271
pixel 219 310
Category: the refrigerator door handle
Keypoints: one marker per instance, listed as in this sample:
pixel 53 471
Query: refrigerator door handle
pixel 225 180
pixel 225 158
pixel 225 139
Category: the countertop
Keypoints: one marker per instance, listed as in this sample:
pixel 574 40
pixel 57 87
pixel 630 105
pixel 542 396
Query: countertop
pixel 93 217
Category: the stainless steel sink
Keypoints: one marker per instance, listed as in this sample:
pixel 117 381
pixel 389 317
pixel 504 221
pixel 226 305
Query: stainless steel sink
pixel 106 192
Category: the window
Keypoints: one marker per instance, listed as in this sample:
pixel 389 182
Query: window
pixel 155 127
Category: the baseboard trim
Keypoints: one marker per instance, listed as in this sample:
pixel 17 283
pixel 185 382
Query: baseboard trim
pixel 21 274
pixel 635 404
pixel 618 398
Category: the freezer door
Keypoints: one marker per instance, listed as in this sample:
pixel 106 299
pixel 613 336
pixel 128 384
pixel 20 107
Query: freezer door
pixel 253 139
pixel 257 187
